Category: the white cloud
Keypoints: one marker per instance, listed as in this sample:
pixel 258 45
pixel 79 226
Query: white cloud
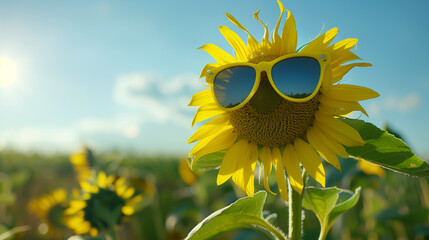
pixel 399 104
pixel 123 124
pixel 148 98
pixel 161 101
pixel 48 139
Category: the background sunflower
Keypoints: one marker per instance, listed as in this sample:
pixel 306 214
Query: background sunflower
pixel 102 206
pixel 50 209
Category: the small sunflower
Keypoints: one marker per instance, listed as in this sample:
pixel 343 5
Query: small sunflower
pixel 186 173
pixel 102 206
pixel 370 168
pixel 82 162
pixel 270 129
pixel 50 209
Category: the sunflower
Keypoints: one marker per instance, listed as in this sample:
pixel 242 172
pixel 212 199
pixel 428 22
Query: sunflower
pixel 270 130
pixel 50 209
pixel 370 168
pixel 186 173
pixel 82 162
pixel 102 206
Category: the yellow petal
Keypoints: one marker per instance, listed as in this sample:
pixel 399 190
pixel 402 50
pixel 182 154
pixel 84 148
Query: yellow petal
pixel 219 141
pixel 317 143
pixel 229 162
pixel 344 57
pixel 249 173
pixel 310 161
pixel 291 163
pixel 240 167
pixel 265 43
pixel 342 48
pixel 186 173
pixel 345 44
pixel 93 232
pixel 78 159
pixel 120 190
pixel 236 42
pixel 218 54
pixel 74 221
pixel 341 70
pixel 339 130
pixel 333 145
pixel 88 187
pixel 110 179
pixel 134 200
pixel 75 206
pixel 289 34
pixel 277 39
pixel 265 157
pixel 128 193
pixel 251 43
pixel 119 182
pixel 127 210
pixel 280 173
pixel 218 144
pixel 201 98
pixel 347 106
pixel 320 43
pixel 244 175
pixel 346 92
pixel 59 195
pixel 83 228
pixel 206 112
pixel 101 180
pixel 210 128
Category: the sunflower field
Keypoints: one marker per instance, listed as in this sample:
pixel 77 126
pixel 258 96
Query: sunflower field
pixel 282 146
pixel 173 201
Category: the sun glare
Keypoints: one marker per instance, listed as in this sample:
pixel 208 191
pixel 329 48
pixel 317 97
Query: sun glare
pixel 7 71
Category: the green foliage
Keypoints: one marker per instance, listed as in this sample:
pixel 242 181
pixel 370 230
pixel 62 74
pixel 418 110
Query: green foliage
pixel 328 204
pixel 244 213
pixel 209 161
pixel 386 150
pixel 6 195
pixel 176 207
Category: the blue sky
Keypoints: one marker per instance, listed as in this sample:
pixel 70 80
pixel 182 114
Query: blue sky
pixel 118 74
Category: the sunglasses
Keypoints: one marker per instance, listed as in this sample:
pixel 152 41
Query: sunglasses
pixel 296 77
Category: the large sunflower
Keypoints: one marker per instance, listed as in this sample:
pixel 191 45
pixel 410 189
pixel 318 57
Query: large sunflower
pixel 271 130
pixel 102 206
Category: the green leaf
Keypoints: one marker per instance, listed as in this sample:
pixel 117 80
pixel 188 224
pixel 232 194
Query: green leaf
pixel 208 162
pixel 13 231
pixel 244 213
pixel 386 150
pixel 328 204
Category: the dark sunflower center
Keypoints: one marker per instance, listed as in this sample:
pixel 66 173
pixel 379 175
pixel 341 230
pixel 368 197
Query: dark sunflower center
pixel 55 215
pixel 103 209
pixel 270 120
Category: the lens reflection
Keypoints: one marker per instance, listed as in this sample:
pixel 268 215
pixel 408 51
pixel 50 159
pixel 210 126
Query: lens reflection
pixel 296 77
pixel 232 86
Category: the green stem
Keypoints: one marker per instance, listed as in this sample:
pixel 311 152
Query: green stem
pixel 111 235
pixel 158 217
pixel 323 233
pixel 295 211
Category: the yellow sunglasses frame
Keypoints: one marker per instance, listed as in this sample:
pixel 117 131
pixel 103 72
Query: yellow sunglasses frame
pixel 322 58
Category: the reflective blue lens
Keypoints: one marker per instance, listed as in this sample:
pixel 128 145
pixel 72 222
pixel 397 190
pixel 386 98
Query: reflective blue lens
pixel 296 77
pixel 232 85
